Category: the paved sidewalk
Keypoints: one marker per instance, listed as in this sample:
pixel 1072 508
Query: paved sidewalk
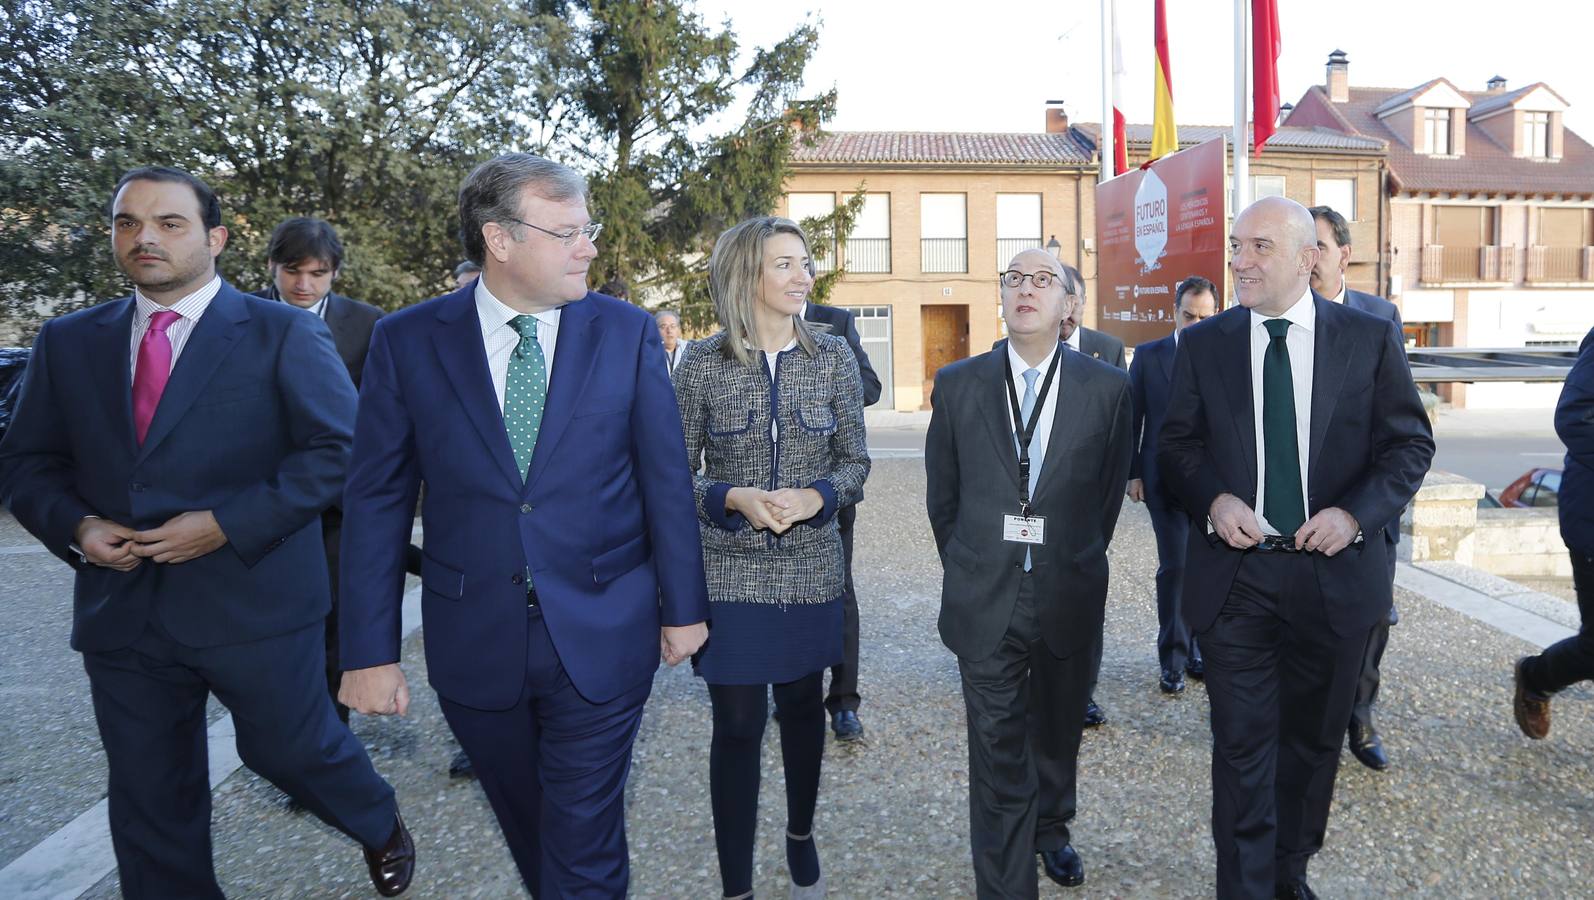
pixel 1470 808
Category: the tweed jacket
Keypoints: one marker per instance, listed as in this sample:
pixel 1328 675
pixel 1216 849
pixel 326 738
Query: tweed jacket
pixel 816 406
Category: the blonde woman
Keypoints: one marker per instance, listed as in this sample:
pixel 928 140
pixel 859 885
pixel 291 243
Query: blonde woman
pixel 773 415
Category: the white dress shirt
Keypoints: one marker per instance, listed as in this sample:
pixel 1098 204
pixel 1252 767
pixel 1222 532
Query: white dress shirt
pixel 189 308
pixel 1303 328
pixel 1073 342
pixel 1048 409
pixel 500 338
pixel 1339 297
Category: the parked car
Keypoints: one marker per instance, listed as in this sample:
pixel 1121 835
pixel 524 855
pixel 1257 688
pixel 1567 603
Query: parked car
pixel 1489 500
pixel 1536 488
pixel 13 362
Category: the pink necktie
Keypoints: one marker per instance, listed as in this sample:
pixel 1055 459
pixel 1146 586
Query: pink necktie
pixel 154 368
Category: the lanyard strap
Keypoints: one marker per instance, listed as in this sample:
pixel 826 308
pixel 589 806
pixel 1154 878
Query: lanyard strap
pixel 1025 431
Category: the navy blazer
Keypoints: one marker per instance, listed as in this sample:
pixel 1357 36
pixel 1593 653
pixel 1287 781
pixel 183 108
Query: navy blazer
pixel 254 425
pixel 1103 346
pixel 1370 446
pixel 1383 309
pixel 841 322
pixel 350 322
pixel 1150 377
pixel 605 523
pixel 1574 423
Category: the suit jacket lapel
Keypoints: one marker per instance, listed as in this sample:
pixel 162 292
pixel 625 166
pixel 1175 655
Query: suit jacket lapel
pixel 458 340
pixel 1330 357
pixel 1164 358
pixel 110 364
pixel 995 410
pixel 580 330
pixel 1064 416
pixel 1234 364
pixel 212 339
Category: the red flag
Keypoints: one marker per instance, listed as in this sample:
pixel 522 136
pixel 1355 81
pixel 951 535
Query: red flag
pixel 1264 70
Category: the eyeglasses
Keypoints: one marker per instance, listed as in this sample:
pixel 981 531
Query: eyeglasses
pixel 1042 280
pixel 568 238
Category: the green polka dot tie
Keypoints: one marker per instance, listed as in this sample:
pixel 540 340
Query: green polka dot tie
pixel 525 393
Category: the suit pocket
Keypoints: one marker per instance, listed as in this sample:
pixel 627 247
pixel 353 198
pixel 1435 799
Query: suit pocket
pixel 611 564
pixel 816 418
pixel 605 405
pixel 444 581
pixel 962 554
pixel 1096 550
pixel 730 422
pixel 231 395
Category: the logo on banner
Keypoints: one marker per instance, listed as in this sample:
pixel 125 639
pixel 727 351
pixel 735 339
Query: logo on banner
pixel 1151 221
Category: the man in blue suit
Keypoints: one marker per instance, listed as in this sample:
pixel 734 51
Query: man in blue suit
pixel 1293 432
pixel 1150 377
pixel 562 555
pixel 177 448
pixel 1328 280
pixel 1569 661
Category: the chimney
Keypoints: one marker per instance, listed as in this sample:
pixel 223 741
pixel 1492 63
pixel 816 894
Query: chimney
pixel 1497 84
pixel 1338 77
pixel 1284 112
pixel 1056 117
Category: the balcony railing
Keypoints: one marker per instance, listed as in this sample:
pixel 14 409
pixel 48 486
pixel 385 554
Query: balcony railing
pixel 868 255
pixel 824 258
pixel 1560 264
pixel 1448 265
pixel 943 254
pixel 1007 248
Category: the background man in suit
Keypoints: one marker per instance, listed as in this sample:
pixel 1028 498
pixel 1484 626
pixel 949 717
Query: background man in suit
pixel 1292 422
pixel 1149 375
pixel 177 448
pixel 304 256
pixel 1021 598
pixel 842 700
pixel 1328 279
pixel 465 273
pixel 669 325
pixel 562 556
pixel 1572 660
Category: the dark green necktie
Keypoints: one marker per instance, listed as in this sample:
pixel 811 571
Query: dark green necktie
pixel 525 392
pixel 1282 504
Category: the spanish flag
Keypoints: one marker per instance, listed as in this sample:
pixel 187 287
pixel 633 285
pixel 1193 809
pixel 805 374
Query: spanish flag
pixel 1164 134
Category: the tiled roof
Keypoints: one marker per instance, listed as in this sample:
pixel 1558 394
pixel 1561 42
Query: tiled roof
pixel 1492 102
pixel 1289 137
pixel 1484 166
pixel 1392 102
pixel 1069 148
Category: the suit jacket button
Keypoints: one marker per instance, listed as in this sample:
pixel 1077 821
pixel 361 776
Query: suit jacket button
pixel 517 578
pixel 525 508
pixel 137 487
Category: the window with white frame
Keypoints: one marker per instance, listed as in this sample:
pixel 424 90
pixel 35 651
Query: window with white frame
pixel 869 243
pixel 1536 135
pixel 801 207
pixel 1338 194
pixel 1436 124
pixel 1267 186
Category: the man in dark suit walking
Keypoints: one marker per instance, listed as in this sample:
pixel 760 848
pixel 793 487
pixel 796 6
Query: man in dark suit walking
pixel 842 700
pixel 1149 381
pixel 304 257
pixel 1293 427
pixel 562 555
pixel 1567 662
pixel 1328 280
pixel 177 448
pixel 1025 457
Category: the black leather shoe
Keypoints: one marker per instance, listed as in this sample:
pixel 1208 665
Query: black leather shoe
pixel 1367 748
pixel 393 865
pixel 1294 890
pixel 1172 682
pixel 1093 714
pixel 460 766
pixel 844 722
pixel 1064 866
pixel 1196 669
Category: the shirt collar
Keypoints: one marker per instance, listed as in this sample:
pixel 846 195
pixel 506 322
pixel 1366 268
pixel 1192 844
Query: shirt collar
pixel 1340 297
pixel 1303 313
pixel 1073 339
pixel 495 314
pixel 1019 365
pixel 191 306
pixel 320 306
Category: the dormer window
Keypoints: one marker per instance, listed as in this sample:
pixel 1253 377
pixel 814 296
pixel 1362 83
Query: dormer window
pixel 1437 123
pixel 1536 135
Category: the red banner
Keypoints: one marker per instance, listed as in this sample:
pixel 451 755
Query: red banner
pixel 1155 226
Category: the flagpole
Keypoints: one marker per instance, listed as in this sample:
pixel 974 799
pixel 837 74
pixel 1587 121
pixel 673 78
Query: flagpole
pixel 1241 142
pixel 1108 152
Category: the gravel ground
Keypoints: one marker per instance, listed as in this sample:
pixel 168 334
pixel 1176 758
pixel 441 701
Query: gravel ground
pixel 1469 808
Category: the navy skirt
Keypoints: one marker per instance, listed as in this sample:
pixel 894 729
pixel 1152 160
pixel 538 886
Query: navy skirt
pixel 769 643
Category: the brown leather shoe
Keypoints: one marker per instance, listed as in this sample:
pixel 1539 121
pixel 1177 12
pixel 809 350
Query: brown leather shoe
pixel 393 865
pixel 1531 707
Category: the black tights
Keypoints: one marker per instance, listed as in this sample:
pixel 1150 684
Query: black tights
pixel 734 762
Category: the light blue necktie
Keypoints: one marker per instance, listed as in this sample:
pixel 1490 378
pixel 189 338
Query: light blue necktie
pixel 1026 407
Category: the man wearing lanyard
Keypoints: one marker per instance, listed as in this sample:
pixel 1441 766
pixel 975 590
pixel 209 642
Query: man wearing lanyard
pixel 1023 546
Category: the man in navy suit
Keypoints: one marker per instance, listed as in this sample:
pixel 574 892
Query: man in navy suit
pixel 1571 660
pixel 1293 429
pixel 842 700
pixel 562 555
pixel 1149 380
pixel 177 448
pixel 1328 280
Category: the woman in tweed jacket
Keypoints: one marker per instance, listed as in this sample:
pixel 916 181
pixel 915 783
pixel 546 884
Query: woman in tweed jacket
pixel 773 415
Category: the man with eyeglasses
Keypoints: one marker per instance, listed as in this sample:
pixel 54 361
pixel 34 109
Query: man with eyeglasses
pixel 562 557
pixel 1292 433
pixel 1023 546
